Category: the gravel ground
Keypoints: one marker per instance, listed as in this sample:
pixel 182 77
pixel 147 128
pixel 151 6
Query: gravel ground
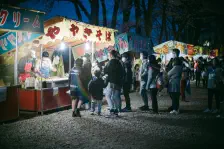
pixel 190 129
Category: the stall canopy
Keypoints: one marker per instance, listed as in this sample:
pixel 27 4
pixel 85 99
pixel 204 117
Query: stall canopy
pixel 72 32
pixel 166 47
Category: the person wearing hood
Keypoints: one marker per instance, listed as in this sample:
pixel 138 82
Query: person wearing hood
pixel 127 81
pixel 174 76
pixel 153 74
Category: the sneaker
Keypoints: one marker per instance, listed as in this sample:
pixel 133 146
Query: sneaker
pixel 174 112
pixel 215 111
pixel 78 113
pixel 74 114
pixel 207 110
pixel 144 108
pixel 91 113
pixel 126 110
pixel 99 113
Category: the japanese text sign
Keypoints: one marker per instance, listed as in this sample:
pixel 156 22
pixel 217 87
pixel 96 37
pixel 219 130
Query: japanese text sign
pixel 102 54
pixel 19 19
pixel 8 40
pixel 121 43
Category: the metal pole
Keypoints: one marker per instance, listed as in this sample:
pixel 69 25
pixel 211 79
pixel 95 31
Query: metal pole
pixel 70 58
pixel 41 88
pixel 93 47
pixel 16 62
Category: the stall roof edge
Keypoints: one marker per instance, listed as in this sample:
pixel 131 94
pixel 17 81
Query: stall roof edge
pixel 57 19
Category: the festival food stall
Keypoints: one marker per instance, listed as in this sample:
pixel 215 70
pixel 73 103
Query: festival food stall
pixel 17 26
pixel 64 41
pixel 165 49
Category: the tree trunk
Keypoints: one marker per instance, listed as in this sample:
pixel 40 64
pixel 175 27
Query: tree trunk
pixel 148 16
pixel 83 9
pixel 77 10
pixel 163 27
pixel 137 16
pixel 115 11
pixel 126 14
pixel 95 12
pixel 104 13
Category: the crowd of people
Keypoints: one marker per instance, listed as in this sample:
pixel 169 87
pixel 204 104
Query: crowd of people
pixel 88 81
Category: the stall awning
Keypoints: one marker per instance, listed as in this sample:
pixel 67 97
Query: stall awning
pixel 62 29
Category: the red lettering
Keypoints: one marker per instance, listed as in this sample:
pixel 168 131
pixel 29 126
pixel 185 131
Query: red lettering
pixel 3 15
pixel 52 32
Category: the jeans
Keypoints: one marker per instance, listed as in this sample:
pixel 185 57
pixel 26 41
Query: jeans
pixel 95 102
pixel 113 98
pixel 153 95
pixel 175 100
pixel 126 91
pixel 144 95
pixel 211 93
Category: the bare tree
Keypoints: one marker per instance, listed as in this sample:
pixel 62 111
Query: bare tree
pixel 126 8
pixel 115 11
pixel 104 12
pixel 137 16
pixel 148 16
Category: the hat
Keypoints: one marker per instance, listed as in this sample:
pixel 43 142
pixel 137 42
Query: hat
pixel 45 54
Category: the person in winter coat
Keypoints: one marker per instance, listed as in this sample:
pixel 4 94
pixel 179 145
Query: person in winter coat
pixel 174 76
pixel 95 87
pixel 127 81
pixel 214 82
pixel 143 80
pixel 114 72
pixel 76 79
pixel 153 74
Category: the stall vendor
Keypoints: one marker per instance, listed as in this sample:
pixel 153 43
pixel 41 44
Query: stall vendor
pixel 43 68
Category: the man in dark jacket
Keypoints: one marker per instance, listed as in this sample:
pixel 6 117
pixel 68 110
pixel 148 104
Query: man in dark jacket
pixel 114 72
pixel 143 80
pixel 127 81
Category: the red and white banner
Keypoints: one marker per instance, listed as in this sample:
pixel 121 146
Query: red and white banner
pixel 73 30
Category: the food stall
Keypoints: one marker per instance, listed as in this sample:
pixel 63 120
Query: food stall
pixel 165 49
pixel 17 26
pixel 64 41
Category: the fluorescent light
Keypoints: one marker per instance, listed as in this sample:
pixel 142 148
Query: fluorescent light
pixel 87 46
pixel 62 46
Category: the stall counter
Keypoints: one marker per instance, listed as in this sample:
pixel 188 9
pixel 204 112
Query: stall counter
pixel 9 108
pixel 30 100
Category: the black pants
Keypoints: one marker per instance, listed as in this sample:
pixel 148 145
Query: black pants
pixel 126 91
pixel 153 95
pixel 211 93
pixel 198 78
pixel 175 100
pixel 192 75
pixel 205 82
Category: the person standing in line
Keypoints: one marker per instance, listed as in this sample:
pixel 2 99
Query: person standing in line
pixel 153 74
pixel 214 79
pixel 184 78
pixel 136 78
pixel 174 76
pixel 114 72
pixel 95 87
pixel 143 80
pixel 76 87
pixel 198 72
pixel 87 66
pixel 127 81
pixel 192 69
